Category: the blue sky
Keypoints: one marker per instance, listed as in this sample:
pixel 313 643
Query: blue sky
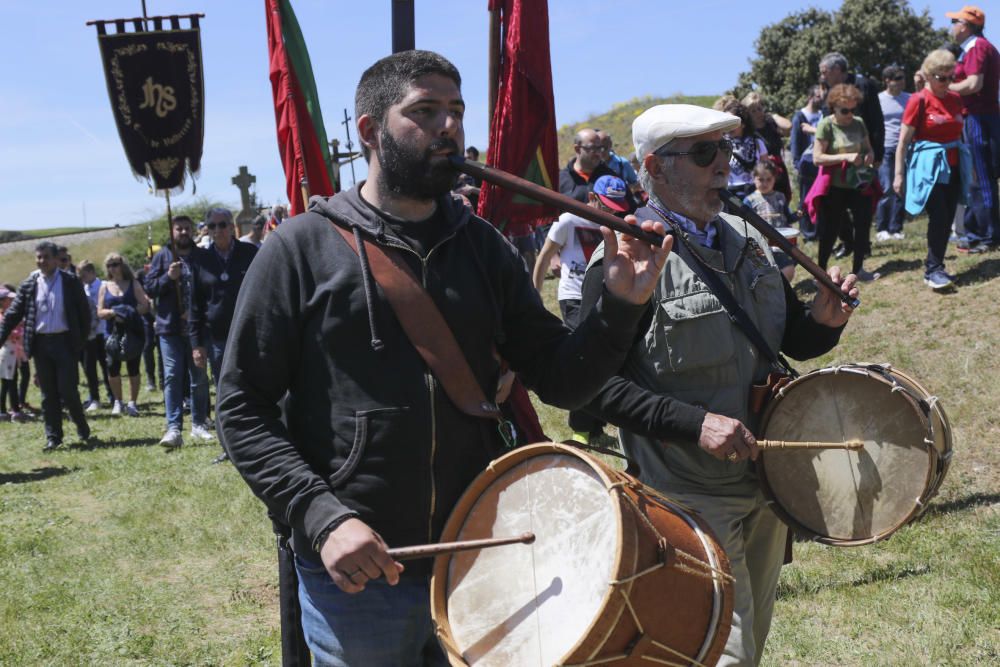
pixel 61 163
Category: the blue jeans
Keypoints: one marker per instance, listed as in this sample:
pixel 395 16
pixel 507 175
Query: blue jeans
pixel 215 350
pixel 982 215
pixel 889 214
pixel 175 351
pixel 382 626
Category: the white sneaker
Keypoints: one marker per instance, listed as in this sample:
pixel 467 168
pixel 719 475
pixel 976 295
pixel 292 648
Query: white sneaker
pixel 92 406
pixel 899 236
pixel 172 439
pixel 883 236
pixel 199 432
pixel 116 409
pixel 131 410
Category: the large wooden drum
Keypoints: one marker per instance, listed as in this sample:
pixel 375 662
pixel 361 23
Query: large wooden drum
pixel 617 575
pixel 848 498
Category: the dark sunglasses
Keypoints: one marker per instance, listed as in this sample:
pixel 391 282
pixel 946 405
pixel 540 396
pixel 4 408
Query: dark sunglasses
pixel 703 153
pixel 213 225
pixel 112 265
pixel 590 149
pixel 843 111
pixel 898 77
pixel 944 78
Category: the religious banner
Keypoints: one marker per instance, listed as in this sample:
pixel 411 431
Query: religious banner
pixel 305 153
pixel 523 127
pixel 155 84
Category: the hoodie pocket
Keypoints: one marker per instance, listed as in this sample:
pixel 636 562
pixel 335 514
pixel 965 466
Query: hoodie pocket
pixel 364 421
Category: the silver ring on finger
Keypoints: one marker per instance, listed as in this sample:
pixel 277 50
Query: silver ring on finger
pixel 732 457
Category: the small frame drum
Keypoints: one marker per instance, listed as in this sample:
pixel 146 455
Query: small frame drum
pixel 848 498
pixel 618 574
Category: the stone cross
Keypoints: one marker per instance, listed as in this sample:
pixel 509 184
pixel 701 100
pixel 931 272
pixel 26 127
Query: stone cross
pixel 243 181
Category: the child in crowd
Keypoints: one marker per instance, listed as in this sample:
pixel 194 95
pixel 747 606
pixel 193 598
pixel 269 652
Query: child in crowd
pixel 773 207
pixel 8 365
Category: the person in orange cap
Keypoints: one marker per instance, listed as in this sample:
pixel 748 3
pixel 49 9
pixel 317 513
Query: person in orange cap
pixel 977 80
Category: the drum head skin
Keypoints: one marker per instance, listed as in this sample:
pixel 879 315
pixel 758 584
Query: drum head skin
pixel 617 574
pixel 844 497
pixel 561 580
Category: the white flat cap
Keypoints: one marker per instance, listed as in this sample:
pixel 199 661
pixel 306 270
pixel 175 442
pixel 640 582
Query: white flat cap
pixel 656 126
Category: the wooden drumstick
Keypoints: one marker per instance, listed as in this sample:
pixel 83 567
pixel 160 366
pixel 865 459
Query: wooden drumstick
pixel 852 445
pixel 431 550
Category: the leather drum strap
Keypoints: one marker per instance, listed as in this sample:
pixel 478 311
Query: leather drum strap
pixel 426 328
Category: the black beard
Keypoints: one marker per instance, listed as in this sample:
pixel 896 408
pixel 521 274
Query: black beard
pixel 410 173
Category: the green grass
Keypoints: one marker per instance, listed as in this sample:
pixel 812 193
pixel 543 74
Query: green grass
pixel 122 554
pixel 54 231
pixel 15 266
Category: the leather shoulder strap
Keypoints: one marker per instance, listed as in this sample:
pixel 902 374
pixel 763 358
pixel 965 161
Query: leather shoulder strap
pixel 425 326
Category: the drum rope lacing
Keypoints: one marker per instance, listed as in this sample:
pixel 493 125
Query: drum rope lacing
pixel 700 569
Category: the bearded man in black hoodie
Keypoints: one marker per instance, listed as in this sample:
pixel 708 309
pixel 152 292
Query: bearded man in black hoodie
pixel 372 451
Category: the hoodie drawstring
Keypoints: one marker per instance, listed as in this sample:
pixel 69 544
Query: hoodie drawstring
pixel 366 279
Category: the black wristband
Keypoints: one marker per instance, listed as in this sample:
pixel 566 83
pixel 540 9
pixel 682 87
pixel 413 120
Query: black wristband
pixel 330 527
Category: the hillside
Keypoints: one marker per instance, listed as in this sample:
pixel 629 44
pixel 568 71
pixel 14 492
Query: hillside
pixel 618 121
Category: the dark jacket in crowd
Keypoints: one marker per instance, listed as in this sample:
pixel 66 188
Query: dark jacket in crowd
pixel 370 431
pixel 76 308
pixel 871 113
pixel 573 184
pixel 164 290
pixel 213 300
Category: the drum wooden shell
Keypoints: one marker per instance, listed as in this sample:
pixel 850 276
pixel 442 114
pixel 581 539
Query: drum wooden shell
pixel 850 498
pixel 579 593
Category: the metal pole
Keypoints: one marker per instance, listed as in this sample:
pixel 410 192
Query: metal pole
pixel 403 37
pixel 494 62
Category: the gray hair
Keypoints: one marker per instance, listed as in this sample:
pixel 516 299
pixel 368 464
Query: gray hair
pixel 834 59
pixel 645 180
pixel 219 210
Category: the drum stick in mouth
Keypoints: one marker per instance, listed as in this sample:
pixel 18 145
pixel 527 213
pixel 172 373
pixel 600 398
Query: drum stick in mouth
pixel 852 445
pixel 447 548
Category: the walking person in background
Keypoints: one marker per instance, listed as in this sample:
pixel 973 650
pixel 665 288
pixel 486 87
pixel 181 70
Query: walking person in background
pixel 256 234
pixel 217 275
pixel 169 280
pixel 748 149
pixel 575 239
pixel 889 214
pixel 842 193
pixel 8 365
pixel 56 317
pixel 933 124
pixel 119 293
pixel 804 124
pixel 93 354
pixel 977 80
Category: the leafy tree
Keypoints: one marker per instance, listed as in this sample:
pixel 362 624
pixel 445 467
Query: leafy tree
pixel 871 34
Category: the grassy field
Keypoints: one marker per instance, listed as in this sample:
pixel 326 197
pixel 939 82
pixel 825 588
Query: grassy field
pixel 15 266
pixel 121 554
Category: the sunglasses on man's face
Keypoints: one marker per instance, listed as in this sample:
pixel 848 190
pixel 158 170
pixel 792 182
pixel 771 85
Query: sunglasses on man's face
pixel 703 153
pixel 845 111
pixel 214 225
pixel 944 78
pixel 898 77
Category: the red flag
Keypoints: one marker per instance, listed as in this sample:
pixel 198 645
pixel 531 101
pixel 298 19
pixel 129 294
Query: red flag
pixel 523 127
pixel 302 143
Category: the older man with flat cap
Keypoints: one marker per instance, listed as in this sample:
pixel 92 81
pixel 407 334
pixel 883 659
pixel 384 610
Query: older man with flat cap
pixel 682 398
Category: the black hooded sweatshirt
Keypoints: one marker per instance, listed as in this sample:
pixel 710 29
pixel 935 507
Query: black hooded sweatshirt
pixel 370 430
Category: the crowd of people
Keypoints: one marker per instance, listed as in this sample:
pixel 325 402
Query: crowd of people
pixel 861 157
pixel 178 306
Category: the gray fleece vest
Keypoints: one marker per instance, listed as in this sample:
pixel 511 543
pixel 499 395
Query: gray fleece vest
pixel 696 354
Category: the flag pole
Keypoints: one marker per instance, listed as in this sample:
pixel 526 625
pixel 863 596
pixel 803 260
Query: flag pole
pixel 494 61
